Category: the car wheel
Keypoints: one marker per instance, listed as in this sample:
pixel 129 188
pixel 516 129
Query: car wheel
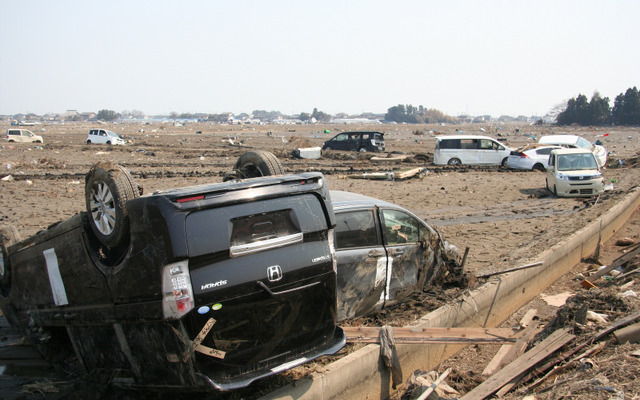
pixel 88 141
pixel 555 191
pixel 362 150
pixel 38 141
pixel 253 164
pixel 538 167
pixel 454 161
pixel 504 162
pixel 109 142
pixel 108 187
pixel 8 236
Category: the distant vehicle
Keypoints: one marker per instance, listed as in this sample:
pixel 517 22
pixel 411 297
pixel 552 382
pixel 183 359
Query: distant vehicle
pixel 532 156
pixel 470 150
pixel 574 173
pixel 23 136
pixel 356 141
pixel 575 141
pixel 104 136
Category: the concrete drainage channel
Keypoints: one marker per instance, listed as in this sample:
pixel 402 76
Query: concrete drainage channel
pixel 361 375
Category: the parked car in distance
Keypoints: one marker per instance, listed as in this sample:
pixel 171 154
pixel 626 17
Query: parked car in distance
pixel 574 142
pixel 356 141
pixel 532 156
pixel 155 291
pixel 384 254
pixel 470 150
pixel 574 173
pixel 104 136
pixel 22 136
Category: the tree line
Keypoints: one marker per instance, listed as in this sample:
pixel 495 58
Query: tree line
pixel 597 111
pixel 417 115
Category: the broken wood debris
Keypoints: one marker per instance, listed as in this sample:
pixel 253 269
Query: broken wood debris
pixel 523 363
pixel 390 175
pixel 368 334
pixel 618 262
pixel 510 352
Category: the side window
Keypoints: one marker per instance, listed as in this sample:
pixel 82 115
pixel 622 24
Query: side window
pixel 469 144
pixel 400 227
pixel 552 160
pixel 341 137
pixel 486 144
pixel 355 229
pixel 103 133
pixel 544 151
pixel 14 132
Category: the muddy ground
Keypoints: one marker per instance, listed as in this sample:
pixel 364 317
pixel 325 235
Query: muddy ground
pixel 504 217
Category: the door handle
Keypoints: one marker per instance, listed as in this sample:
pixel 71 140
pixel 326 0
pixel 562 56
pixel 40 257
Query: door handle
pixel 395 252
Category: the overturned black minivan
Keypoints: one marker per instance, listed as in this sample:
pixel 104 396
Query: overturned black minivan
pixel 211 286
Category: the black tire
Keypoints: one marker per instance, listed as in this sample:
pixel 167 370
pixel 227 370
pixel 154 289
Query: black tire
pixel 539 167
pixel 555 191
pixel 504 162
pixel 253 164
pixel 88 141
pixel 109 142
pixel 454 161
pixel 8 236
pixel 108 187
pixel 362 150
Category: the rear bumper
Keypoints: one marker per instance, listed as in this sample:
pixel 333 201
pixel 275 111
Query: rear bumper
pixel 229 382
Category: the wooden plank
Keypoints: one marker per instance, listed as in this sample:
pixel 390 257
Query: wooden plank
pixel 615 264
pixel 528 317
pixel 529 359
pixel 510 352
pixel 367 334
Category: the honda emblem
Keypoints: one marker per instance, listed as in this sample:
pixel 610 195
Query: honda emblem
pixel 274 273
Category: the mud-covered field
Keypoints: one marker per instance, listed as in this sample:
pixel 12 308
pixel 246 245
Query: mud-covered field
pixel 505 218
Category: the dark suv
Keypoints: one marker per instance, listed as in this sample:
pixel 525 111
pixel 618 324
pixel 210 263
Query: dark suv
pixel 207 286
pixel 358 141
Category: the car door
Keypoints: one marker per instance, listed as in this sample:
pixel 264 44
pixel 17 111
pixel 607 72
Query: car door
pixel 362 263
pixel 490 152
pixel 410 255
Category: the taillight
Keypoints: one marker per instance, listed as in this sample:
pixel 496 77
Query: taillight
pixel 177 294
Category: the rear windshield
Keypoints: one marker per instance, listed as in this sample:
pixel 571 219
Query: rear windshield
pixel 254 226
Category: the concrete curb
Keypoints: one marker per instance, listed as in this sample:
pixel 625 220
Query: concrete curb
pixel 361 375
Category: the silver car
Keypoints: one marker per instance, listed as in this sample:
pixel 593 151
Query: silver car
pixel 384 254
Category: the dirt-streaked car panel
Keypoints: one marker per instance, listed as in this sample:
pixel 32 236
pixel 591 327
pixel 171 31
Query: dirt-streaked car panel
pixel 384 253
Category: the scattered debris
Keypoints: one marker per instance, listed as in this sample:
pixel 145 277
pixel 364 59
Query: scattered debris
pixel 309 153
pixel 391 175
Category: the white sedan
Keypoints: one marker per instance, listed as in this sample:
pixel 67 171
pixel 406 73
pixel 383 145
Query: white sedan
pixel 531 156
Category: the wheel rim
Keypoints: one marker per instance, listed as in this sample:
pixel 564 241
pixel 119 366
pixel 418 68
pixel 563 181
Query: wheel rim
pixel 103 210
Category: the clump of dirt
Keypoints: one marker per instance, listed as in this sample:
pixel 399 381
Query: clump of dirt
pixel 574 313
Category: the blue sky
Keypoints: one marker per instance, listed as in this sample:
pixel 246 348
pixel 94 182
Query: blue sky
pixel 477 57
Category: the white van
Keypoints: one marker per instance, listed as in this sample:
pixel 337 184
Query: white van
pixel 470 150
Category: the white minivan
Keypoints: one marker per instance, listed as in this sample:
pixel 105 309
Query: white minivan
pixel 470 150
